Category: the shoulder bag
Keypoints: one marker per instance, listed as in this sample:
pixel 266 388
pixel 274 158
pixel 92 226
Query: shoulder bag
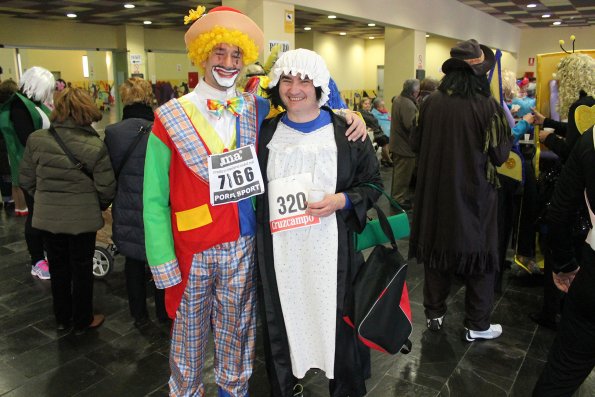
pixel 77 163
pixel 381 313
pixel 143 130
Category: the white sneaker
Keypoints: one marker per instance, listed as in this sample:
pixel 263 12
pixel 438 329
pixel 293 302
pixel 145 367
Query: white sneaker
pixel 493 332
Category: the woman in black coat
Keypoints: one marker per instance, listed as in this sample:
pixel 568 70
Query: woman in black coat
pixel 572 356
pixel 127 144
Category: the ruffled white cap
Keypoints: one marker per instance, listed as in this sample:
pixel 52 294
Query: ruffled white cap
pixel 306 63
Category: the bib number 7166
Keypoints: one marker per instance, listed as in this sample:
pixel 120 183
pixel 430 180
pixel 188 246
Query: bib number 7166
pixel 234 176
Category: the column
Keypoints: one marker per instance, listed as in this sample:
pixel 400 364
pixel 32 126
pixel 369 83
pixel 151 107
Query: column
pixel 275 19
pixel 405 51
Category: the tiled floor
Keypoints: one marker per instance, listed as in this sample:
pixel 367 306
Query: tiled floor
pixel 120 360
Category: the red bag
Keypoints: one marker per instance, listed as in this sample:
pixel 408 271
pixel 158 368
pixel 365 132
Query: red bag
pixel 381 313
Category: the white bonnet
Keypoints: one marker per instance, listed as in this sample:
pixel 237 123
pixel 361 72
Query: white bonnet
pixel 306 63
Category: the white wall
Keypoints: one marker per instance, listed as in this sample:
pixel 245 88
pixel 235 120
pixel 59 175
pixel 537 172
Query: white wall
pixel 344 58
pixel 8 63
pixel 448 18
pixel 374 57
pixel 546 40
pixel 56 34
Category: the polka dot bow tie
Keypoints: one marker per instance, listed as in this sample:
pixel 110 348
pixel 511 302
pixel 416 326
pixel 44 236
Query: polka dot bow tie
pixel 234 105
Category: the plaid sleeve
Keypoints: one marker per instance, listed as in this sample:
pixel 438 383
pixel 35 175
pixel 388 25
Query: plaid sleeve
pixel 167 274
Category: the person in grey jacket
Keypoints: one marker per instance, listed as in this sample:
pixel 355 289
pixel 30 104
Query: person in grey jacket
pixel 404 114
pixel 69 201
pixel 127 144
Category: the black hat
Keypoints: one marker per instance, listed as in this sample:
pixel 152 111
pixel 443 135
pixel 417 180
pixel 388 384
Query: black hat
pixel 470 55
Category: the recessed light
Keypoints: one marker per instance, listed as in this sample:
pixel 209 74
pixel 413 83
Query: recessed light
pixel 546 16
pixel 129 5
pixel 71 15
pixel 427 35
pixel 371 37
pixel 147 22
pixel 342 33
pixel 307 28
pixel 332 17
pixel 557 23
pixel 531 5
pixel 371 24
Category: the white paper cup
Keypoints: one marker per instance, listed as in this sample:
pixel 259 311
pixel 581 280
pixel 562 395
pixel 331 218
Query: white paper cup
pixel 527 137
pixel 316 195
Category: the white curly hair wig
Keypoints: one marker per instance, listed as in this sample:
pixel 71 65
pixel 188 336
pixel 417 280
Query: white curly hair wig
pixel 576 72
pixel 38 84
pixel 509 87
pixel 305 63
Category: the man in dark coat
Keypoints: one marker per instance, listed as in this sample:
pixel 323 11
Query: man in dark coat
pixel 462 137
pixel 404 115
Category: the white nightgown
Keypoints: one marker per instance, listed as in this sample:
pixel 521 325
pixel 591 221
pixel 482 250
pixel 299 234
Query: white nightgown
pixel 306 259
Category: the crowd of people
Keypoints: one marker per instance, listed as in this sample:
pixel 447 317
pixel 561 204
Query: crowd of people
pixel 200 187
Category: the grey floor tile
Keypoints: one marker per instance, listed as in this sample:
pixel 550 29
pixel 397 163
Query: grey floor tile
pixel 137 379
pixel 65 380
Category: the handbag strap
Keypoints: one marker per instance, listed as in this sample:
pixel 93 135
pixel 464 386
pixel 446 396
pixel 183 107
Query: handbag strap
pixel 143 130
pixel 79 165
pixel 391 200
pixel 385 226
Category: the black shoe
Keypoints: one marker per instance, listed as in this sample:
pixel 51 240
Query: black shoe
pixel 434 324
pixel 545 321
pixel 64 327
pixel 141 321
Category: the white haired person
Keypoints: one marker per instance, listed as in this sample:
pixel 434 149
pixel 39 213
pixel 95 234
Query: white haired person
pixel 311 171
pixel 22 114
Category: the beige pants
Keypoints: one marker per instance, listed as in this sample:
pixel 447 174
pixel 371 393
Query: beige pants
pixel 402 172
pixel 19 198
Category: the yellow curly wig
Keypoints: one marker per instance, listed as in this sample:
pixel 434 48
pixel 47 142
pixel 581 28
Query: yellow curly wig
pixel 200 48
pixel 575 72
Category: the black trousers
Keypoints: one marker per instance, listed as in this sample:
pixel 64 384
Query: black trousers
pixel 136 286
pixel 506 202
pixel 70 259
pixel 572 355
pixel 479 297
pixel 525 244
pixel 33 236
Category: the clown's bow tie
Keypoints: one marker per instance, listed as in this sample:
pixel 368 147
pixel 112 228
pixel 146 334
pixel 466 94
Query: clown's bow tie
pixel 234 105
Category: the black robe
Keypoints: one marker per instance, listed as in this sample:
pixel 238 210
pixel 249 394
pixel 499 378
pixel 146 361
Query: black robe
pixel 459 141
pixel 356 164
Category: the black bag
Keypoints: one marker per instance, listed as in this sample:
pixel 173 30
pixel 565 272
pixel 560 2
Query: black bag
pixel 381 313
pixel 143 131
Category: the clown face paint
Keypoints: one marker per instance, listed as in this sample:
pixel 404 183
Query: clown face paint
pixel 223 66
pixel 225 77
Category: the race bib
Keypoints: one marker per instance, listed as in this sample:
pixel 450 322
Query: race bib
pixel 288 203
pixel 234 176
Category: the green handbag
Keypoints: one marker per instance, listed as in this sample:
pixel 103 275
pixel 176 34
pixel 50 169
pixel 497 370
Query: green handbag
pixel 373 235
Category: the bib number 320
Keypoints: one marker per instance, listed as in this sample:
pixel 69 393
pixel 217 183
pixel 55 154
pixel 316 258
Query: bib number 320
pixel 292 203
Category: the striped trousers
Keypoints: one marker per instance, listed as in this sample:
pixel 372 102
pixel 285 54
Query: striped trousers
pixel 220 296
